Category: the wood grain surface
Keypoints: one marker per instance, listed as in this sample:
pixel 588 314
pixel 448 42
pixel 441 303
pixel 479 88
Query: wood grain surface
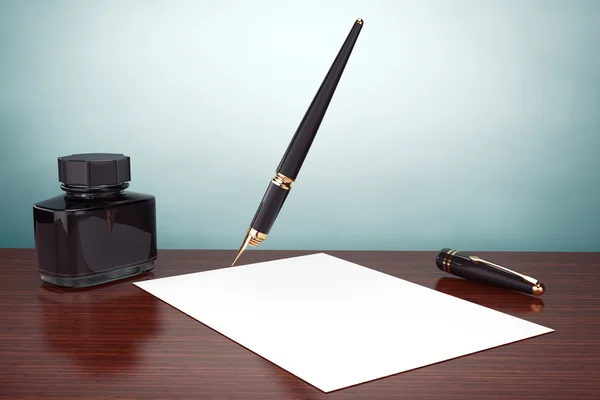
pixel 117 341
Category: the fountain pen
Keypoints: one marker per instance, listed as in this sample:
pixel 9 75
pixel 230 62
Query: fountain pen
pixel 297 150
pixel 467 266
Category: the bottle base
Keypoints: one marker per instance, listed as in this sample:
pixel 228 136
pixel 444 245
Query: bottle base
pixel 99 278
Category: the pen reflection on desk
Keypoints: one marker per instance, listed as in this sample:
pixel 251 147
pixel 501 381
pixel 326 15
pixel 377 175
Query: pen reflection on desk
pixel 289 167
pixel 494 298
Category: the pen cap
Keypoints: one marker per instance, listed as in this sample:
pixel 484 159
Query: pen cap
pixel 460 264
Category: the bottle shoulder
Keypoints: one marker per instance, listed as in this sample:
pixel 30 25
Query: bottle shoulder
pixel 61 203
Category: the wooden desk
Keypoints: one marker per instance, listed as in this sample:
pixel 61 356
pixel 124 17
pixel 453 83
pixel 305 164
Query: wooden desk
pixel 119 341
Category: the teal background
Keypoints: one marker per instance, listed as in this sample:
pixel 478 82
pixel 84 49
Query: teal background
pixel 465 124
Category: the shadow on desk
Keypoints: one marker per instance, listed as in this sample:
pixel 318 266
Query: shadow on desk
pixel 100 328
pixel 491 297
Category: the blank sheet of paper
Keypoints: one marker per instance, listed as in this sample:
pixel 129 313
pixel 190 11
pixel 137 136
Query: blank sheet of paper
pixel 334 323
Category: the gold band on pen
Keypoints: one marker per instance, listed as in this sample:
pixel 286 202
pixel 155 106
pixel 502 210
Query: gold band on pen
pixel 444 261
pixel 282 181
pixel 255 237
pixel 448 259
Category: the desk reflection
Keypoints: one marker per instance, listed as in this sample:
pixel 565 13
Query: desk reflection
pixel 101 329
pixel 488 296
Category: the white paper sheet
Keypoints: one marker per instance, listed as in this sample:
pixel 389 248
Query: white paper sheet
pixel 334 323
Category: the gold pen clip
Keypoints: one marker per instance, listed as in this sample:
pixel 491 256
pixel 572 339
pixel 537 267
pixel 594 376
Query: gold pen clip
pixel 538 288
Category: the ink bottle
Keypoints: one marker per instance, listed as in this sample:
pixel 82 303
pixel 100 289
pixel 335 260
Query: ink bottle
pixel 97 231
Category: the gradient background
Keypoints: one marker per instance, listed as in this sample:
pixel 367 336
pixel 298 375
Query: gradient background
pixel 465 124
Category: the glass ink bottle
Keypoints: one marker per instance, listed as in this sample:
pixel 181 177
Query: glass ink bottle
pixel 96 232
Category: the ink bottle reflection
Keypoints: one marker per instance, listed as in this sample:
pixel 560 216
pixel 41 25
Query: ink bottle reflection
pixel 97 231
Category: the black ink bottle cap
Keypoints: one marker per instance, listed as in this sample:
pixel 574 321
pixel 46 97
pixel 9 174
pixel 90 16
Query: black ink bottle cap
pixel 94 169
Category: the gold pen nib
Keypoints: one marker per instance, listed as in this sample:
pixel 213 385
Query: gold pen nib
pixel 242 247
pixel 253 238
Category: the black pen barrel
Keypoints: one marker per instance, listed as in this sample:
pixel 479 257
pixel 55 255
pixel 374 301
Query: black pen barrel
pixel 459 264
pixel 304 136
pixel 269 208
